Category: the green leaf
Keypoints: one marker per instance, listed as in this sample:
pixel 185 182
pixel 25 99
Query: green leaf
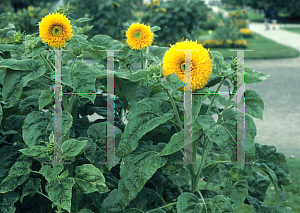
pixel 38 126
pixel 72 147
pixel 156 53
pixel 7 202
pixel 252 76
pixel 17 175
pixel 35 151
pixel 82 79
pixel 60 193
pixel 28 101
pixel 105 42
pixel 254 105
pixel 10 48
pixel 142 164
pixel 51 172
pixel 258 185
pixel 189 203
pixel 154 29
pixel 1 114
pixel 181 179
pixel 143 117
pixel 85 211
pixel 83 20
pixel 140 93
pixel 30 187
pixel 213 80
pixel 89 179
pixel 24 65
pixel 45 99
pixel 177 140
pixel 197 103
pixel 173 82
pixel 218 60
pixel 237 191
pixel 14 82
pixel 276 161
pixel 260 207
pixel 112 203
pixel 280 195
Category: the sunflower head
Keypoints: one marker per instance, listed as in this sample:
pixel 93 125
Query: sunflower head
pixel 55 30
pixel 139 36
pixel 201 63
pixel 156 2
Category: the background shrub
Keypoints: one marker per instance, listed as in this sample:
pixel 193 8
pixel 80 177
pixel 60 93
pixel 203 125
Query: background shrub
pixel 177 19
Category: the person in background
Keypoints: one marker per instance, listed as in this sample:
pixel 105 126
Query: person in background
pixel 267 17
pixel 274 17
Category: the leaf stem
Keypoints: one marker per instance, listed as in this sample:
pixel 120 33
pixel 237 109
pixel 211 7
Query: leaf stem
pixel 212 101
pixel 147 50
pixel 203 200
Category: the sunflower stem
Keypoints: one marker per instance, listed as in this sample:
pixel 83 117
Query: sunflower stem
pixel 174 108
pixel 227 104
pixel 73 63
pixel 212 101
pixel 146 58
pixel 142 64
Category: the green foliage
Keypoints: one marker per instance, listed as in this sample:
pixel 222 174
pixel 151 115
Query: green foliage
pixel 144 176
pixel 111 17
pixel 176 19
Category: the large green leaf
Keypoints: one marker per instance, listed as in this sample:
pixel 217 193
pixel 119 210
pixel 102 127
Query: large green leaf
pixel 280 195
pixel 177 140
pixel 72 147
pixel 260 207
pixel 30 187
pixel 173 82
pixel 82 79
pixel 258 185
pixel 24 65
pixel 45 99
pixel 142 164
pixel 252 76
pixel 254 105
pixel 156 53
pixel 276 161
pixel 189 203
pixel 38 126
pixel 143 117
pixel 60 193
pixel 237 191
pixel 112 203
pixel 89 179
pixel 17 175
pixel 7 202
pixel 50 172
pixel 14 82
pixel 28 101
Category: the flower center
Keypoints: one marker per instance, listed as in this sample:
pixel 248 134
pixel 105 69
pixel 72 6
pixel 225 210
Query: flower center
pixel 182 66
pixel 56 30
pixel 137 35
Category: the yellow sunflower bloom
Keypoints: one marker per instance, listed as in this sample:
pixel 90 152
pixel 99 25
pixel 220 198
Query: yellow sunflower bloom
pixel 139 36
pixel 201 64
pixel 55 30
pixel 156 2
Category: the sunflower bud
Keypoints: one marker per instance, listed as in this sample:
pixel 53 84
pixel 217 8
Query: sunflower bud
pixel 233 64
pixel 154 71
pixel 18 37
pixel 77 51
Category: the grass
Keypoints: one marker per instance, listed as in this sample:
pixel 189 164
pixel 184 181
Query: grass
pixel 292 29
pixel 263 48
pixel 292 191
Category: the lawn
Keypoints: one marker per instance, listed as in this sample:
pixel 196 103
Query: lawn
pixel 292 191
pixel 263 48
pixel 292 29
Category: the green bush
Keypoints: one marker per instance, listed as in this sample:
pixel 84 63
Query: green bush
pixel 209 25
pixel 180 20
pixel 108 17
pixel 25 19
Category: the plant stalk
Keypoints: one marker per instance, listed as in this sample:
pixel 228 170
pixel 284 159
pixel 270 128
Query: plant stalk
pixel 212 101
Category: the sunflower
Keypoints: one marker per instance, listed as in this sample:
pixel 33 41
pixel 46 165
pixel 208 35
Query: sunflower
pixel 201 64
pixel 156 2
pixel 139 36
pixel 55 30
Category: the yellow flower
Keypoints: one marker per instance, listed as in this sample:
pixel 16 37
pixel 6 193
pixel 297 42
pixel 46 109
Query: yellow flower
pixel 19 12
pixel 164 10
pixel 148 4
pixel 157 10
pixel 245 31
pixel 139 36
pixel 236 13
pixel 30 8
pixel 30 14
pixel 5 40
pixel 201 64
pixel 156 2
pixel 45 11
pixel 244 12
pixel 55 30
pixel 229 15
